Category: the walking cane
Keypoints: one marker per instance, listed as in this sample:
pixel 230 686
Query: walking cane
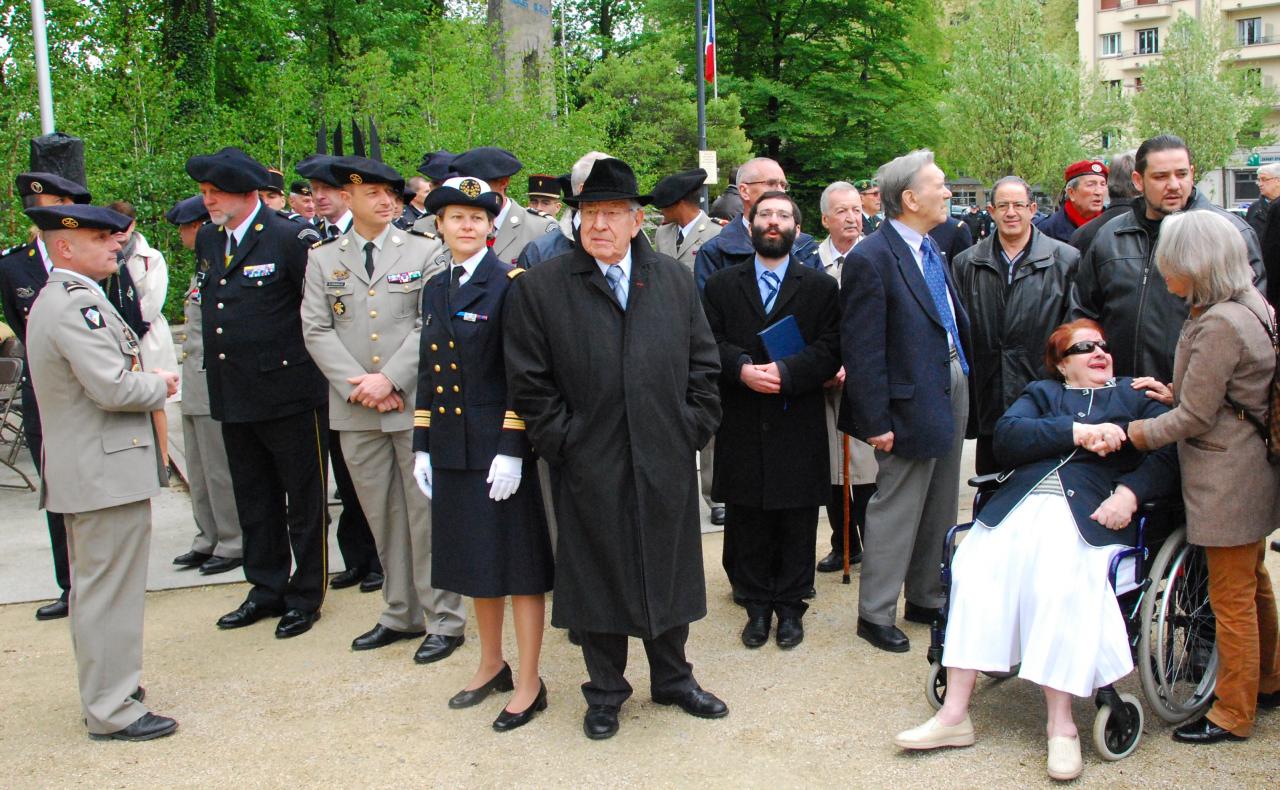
pixel 844 483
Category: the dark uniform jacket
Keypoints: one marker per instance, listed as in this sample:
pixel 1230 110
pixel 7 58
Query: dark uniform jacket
pixel 257 365
pixel 22 275
pixel 1010 322
pixel 771 450
pixel 1035 437
pixel 544 248
pixel 1119 287
pixel 462 382
pixel 618 402
pixel 1258 214
pixel 952 237
pixel 1057 225
pixel 733 246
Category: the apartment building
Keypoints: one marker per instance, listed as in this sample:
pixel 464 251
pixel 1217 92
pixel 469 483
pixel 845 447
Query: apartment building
pixel 1122 36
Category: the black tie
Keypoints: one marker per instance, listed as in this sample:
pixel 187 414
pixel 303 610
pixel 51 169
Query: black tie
pixel 368 258
pixel 679 237
pixel 455 280
pixel 231 248
pixel 839 261
pixel 333 231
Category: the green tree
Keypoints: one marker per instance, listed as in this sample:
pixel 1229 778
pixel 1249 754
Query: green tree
pixel 1195 92
pixel 1012 106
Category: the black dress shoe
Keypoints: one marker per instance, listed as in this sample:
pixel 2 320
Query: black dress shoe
pixel 600 722
pixel 575 638
pixel 295 622
pixel 381 636
pixel 756 631
pixel 695 702
pixel 437 648
pixel 885 637
pixel 53 611
pixel 249 613
pixel 499 682
pixel 192 559
pixel 790 632
pixel 835 561
pixel 810 594
pixel 372 582
pixel 149 727
pixel 508 721
pixel 717 516
pixel 216 565
pixel 926 615
pixel 348 578
pixel 1275 545
pixel 1203 731
pixel 1269 701
pixel 139 694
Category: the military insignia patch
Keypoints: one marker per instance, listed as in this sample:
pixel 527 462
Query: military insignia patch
pixel 37 187
pixel 25 293
pixel 194 296
pixel 339 308
pixel 470 187
pixel 261 270
pixel 335 283
pixel 70 222
pixel 403 277
pixel 258 226
pixel 92 317
pixel 341 274
pixel 356 179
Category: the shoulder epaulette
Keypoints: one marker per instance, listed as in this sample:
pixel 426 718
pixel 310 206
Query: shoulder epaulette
pixel 323 242
pixel 538 213
pixel 426 234
pixel 71 286
pixel 309 233
pixel 718 221
pixel 514 273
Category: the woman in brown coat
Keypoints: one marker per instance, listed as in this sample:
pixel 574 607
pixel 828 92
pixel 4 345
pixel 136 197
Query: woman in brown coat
pixel 1231 491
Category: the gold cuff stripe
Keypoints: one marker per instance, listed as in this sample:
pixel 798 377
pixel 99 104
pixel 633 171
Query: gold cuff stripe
pixel 513 425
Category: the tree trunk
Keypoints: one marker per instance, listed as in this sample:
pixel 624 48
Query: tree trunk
pixel 186 43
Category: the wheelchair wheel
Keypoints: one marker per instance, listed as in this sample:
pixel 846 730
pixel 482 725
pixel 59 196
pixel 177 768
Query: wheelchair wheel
pixel 1113 739
pixel 935 686
pixel 1177 655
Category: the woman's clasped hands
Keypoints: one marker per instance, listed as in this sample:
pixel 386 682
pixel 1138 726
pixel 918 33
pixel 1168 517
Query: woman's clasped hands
pixel 1102 439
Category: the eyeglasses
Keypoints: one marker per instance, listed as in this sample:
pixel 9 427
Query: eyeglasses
pixel 773 183
pixel 1085 347
pixel 1018 205
pixel 771 214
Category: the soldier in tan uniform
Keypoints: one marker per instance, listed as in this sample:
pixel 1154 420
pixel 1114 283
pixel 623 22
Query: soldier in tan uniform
pixel 685 228
pixel 218 545
pixel 516 225
pixel 101 463
pixel 361 318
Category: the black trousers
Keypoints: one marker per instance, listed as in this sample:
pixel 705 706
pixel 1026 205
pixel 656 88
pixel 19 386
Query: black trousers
pixel 606 658
pixel 861 495
pixel 278 474
pixel 773 556
pixel 984 462
pixel 355 539
pixel 57 529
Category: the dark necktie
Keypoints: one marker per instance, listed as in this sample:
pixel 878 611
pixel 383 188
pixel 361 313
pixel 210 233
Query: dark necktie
pixel 333 231
pixel 455 280
pixel 231 248
pixel 679 237
pixel 937 282
pixel 368 258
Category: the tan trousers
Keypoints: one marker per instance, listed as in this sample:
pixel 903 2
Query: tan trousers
pixel 213 502
pixel 381 467
pixel 108 551
pixel 1248 655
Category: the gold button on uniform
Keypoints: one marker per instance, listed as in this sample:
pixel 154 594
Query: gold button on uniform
pixel 222 356
pixel 442 410
pixel 222 282
pixel 372 292
pixel 434 347
pixel 373 313
pixel 450 344
pixel 456 389
pixel 453 366
pixel 374 336
pixel 457 410
pixel 135 442
pixel 437 368
pixel 376 360
pixel 439 390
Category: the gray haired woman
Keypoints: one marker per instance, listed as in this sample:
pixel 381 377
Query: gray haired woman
pixel 1221 376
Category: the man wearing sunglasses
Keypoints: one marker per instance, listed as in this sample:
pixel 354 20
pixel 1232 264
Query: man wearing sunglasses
pixel 1016 286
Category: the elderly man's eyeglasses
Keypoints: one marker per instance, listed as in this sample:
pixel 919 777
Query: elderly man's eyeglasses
pixel 1085 347
pixel 779 184
pixel 1017 206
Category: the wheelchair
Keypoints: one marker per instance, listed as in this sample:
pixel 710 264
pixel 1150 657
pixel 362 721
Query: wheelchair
pixel 1162 586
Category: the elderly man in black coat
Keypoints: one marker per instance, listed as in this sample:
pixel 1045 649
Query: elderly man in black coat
pixel 612 365
pixel 772 469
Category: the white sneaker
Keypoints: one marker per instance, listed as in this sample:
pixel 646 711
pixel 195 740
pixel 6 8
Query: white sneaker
pixel 934 734
pixel 1064 758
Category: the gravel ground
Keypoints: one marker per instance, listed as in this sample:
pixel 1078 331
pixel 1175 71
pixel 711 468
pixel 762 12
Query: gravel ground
pixel 260 712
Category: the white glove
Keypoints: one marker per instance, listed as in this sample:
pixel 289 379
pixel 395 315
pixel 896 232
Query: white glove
pixel 422 472
pixel 504 473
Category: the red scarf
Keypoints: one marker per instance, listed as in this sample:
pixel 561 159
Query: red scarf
pixel 1074 215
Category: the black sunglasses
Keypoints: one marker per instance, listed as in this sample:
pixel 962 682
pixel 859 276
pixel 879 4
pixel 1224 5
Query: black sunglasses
pixel 1085 347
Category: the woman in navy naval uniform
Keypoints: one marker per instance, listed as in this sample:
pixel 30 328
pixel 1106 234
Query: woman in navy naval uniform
pixel 489 535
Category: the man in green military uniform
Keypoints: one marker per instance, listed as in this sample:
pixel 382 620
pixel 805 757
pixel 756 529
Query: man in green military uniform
pixel 101 463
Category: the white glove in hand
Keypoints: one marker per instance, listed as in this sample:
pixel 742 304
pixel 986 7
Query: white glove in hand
pixel 504 474
pixel 422 472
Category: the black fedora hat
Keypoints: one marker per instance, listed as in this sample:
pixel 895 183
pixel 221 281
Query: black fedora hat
pixel 609 179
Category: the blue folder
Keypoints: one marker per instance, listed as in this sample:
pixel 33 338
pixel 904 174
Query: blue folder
pixel 782 339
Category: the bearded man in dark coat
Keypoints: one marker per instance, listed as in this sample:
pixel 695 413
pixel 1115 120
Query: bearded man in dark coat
pixel 612 366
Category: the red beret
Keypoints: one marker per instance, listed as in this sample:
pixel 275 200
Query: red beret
pixel 1086 168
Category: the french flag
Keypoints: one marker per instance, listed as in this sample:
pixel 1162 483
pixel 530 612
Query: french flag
pixel 709 59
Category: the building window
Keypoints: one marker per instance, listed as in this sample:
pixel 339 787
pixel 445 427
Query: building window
pixel 1114 88
pixel 1148 40
pixel 1137 85
pixel 1108 5
pixel 1249 31
pixel 1110 45
pixel 1109 139
pixel 1245 185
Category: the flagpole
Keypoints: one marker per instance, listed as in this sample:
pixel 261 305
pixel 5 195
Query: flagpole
pixel 44 88
pixel 701 46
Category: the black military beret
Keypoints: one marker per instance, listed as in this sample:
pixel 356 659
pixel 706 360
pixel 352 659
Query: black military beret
pixel 671 189
pixel 544 186
pixel 408 194
pixel 300 188
pixel 78 215
pixel 317 168
pixel 487 162
pixel 189 210
pixel 464 191
pixel 41 183
pixel 230 170
pixel 275 181
pixel 438 166
pixel 361 170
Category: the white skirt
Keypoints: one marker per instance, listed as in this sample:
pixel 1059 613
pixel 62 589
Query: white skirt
pixel 1034 592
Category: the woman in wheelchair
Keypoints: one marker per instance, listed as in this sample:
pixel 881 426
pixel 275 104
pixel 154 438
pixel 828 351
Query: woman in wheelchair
pixel 1030 581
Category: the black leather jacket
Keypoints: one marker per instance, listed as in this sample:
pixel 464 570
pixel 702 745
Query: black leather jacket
pixel 1119 286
